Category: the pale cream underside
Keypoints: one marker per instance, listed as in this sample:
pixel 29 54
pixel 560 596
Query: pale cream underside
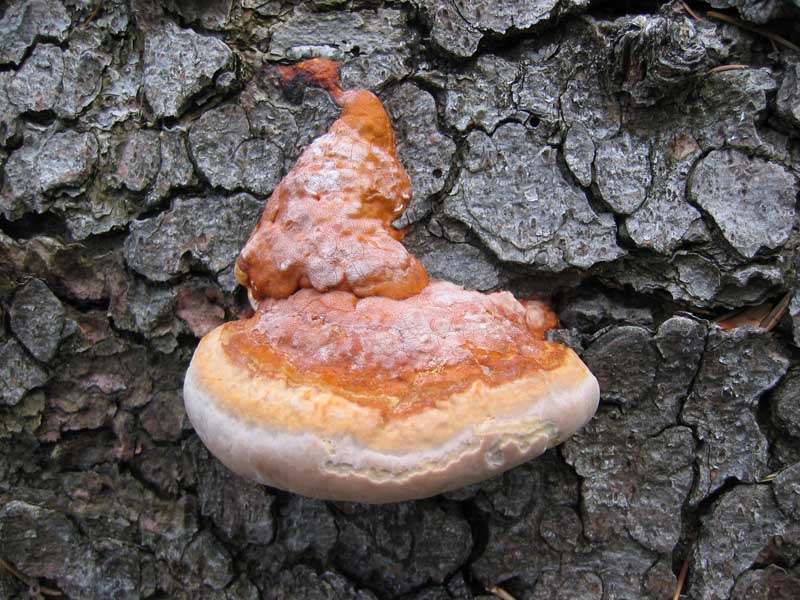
pixel 320 444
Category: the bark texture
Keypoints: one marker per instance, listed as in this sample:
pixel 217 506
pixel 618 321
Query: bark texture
pixel 591 151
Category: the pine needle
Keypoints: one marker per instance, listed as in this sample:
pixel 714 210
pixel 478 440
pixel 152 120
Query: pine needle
pixel 500 593
pixel 681 579
pixel 693 14
pixel 712 14
pixel 722 68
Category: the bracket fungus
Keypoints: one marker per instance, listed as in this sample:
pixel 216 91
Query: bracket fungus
pixel 357 378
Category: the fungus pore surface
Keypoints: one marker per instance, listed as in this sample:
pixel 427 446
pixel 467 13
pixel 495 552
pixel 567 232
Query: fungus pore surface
pixel 357 378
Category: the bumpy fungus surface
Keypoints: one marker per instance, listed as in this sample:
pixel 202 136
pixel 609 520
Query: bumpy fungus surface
pixel 357 378
pixel 328 224
pixel 397 356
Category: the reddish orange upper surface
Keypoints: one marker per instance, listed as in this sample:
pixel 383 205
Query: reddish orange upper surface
pixel 398 355
pixel 328 224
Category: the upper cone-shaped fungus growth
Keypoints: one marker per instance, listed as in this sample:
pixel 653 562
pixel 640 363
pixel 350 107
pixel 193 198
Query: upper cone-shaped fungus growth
pixel 357 379
pixel 328 224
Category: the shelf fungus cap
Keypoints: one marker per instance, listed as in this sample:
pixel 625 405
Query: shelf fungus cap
pixel 365 381
pixel 381 400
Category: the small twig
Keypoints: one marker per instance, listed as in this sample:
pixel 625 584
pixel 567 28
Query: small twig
pixel 14 572
pixel 776 314
pixel 46 591
pixel 693 14
pixel 33 586
pixel 681 579
pixel 712 14
pixel 96 12
pixel 500 593
pixel 722 68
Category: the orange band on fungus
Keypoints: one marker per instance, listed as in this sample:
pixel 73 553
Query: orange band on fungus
pixel 398 356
